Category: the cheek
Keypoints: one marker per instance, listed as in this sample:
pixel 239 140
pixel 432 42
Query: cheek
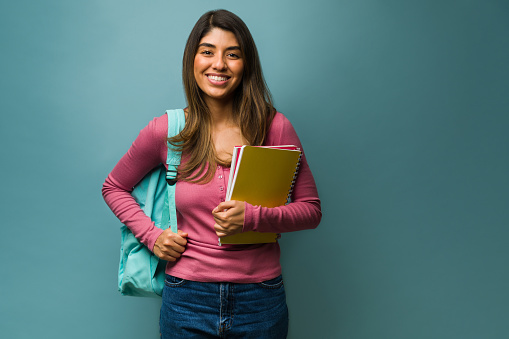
pixel 198 65
pixel 197 73
pixel 239 69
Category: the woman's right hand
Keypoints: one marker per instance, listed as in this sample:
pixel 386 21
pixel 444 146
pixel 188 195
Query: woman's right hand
pixel 169 246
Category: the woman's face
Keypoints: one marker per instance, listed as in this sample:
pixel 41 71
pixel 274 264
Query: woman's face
pixel 218 65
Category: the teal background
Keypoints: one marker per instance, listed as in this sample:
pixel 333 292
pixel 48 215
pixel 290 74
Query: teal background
pixel 402 107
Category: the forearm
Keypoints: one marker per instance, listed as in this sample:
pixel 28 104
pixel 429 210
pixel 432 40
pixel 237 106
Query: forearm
pixel 146 152
pixel 127 210
pixel 295 216
pixel 304 212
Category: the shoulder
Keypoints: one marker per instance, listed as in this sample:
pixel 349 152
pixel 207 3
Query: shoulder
pixel 279 123
pixel 280 130
pixel 153 135
pixel 158 127
pixel 280 120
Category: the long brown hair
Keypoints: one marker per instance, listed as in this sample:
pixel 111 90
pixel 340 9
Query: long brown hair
pixel 252 103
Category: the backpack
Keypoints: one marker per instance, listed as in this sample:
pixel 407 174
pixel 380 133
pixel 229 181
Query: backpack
pixel 141 273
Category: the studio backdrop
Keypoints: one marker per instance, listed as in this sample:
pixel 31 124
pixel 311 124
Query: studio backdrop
pixel 402 109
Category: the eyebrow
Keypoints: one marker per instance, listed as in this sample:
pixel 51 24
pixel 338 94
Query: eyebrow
pixel 206 44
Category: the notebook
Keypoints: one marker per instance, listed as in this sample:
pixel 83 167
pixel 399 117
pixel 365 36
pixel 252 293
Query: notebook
pixel 264 176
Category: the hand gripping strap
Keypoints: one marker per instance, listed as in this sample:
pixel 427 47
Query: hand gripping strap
pixel 176 122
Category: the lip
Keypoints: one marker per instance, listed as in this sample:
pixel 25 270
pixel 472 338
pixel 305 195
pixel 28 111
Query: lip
pixel 215 81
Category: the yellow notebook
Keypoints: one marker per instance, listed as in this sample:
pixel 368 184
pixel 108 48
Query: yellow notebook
pixel 261 176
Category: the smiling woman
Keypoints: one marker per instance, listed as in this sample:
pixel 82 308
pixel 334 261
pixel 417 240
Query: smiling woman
pixel 218 65
pixel 220 45
pixel 212 291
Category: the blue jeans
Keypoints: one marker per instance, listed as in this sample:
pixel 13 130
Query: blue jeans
pixel 193 309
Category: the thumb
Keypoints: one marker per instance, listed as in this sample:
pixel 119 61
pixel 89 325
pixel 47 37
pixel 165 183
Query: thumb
pixel 223 206
pixel 182 233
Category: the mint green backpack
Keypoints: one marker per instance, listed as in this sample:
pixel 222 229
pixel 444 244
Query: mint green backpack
pixel 140 272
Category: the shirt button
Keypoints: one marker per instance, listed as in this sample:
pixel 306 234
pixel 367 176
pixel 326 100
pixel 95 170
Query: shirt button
pixel 221 188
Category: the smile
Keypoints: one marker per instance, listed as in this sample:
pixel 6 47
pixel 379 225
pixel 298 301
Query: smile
pixel 217 78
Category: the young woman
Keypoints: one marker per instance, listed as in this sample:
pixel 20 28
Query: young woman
pixel 212 291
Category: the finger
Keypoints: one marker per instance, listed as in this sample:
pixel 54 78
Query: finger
pixel 224 205
pixel 174 253
pixel 218 219
pixel 174 245
pixel 220 230
pixel 168 257
pixel 221 233
pixel 171 253
pixel 168 233
pixel 165 256
pixel 221 217
pixel 178 248
pixel 178 240
pixel 216 211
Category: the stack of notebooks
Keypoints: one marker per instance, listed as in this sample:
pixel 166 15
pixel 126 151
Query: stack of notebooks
pixel 261 176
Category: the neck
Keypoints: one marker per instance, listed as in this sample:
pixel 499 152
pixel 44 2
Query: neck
pixel 221 111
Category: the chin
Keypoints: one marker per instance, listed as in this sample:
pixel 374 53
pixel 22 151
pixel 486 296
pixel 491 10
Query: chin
pixel 219 96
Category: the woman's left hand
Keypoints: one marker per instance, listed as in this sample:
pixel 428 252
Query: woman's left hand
pixel 229 217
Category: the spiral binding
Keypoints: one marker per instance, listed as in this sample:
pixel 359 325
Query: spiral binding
pixel 289 196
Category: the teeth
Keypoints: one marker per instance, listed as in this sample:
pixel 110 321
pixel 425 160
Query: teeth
pixel 216 78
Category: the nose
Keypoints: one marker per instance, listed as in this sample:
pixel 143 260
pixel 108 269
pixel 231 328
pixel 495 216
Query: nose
pixel 219 63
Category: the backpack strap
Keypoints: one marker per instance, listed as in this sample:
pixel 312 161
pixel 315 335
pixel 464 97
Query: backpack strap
pixel 176 122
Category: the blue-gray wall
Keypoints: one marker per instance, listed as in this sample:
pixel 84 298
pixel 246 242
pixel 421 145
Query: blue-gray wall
pixel 402 107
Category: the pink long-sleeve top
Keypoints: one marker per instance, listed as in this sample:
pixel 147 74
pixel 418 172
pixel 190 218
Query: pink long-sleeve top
pixel 203 259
